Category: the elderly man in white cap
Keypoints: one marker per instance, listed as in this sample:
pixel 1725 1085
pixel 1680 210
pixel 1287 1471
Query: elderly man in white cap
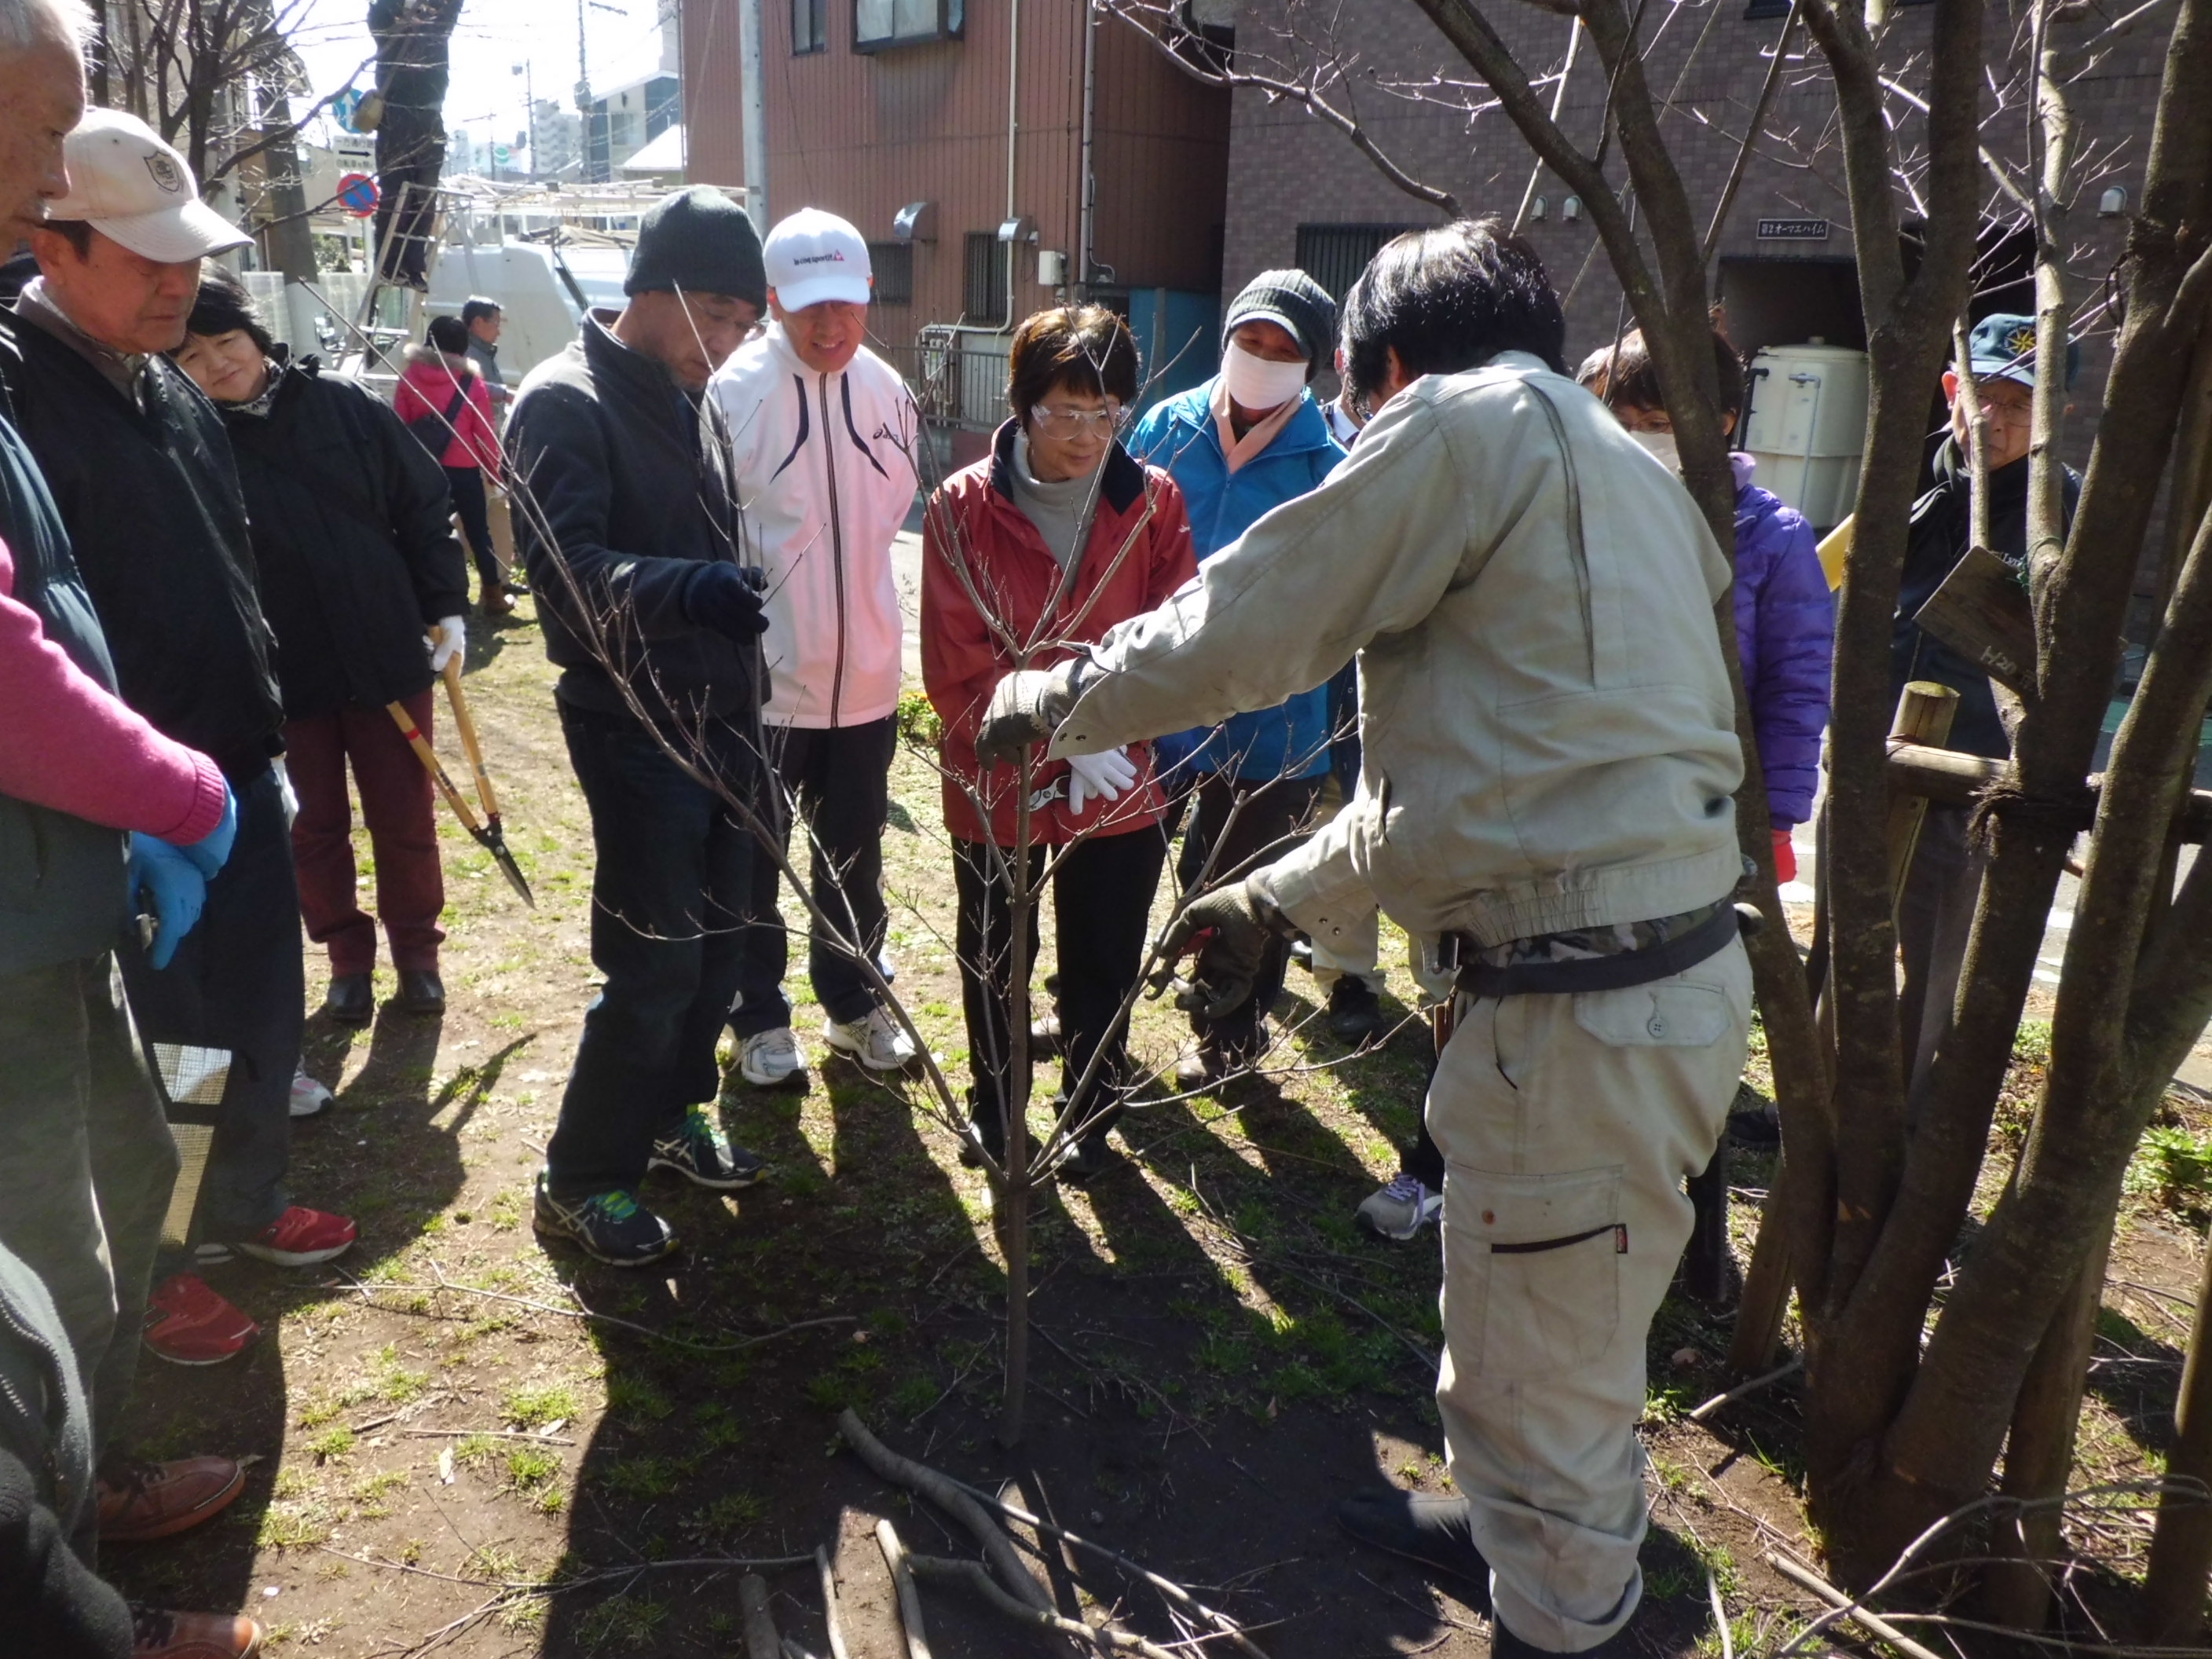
pixel 823 430
pixel 142 472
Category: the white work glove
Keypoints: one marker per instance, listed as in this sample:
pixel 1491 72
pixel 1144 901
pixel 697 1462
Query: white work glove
pixel 452 641
pixel 285 793
pixel 1098 777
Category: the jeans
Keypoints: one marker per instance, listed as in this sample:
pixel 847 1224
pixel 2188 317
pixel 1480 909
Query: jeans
pixel 1275 813
pixel 474 510
pixel 673 877
pixel 1102 904
pixel 840 778
pixel 238 983
pixel 87 1165
pixel 396 804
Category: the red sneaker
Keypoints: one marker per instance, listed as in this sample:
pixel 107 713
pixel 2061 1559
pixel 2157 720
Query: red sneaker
pixel 301 1237
pixel 188 1324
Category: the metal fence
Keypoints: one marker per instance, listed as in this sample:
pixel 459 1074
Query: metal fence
pixel 958 379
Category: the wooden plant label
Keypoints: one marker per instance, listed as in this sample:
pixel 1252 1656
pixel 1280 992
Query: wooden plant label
pixel 1982 612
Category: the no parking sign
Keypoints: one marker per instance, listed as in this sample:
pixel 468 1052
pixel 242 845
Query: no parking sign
pixel 357 194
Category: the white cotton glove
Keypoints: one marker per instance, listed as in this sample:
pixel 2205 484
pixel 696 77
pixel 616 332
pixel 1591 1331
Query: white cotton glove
pixel 452 641
pixel 285 793
pixel 1098 777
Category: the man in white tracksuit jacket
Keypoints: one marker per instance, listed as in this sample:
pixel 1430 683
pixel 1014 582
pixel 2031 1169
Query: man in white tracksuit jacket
pixel 821 432
pixel 1549 757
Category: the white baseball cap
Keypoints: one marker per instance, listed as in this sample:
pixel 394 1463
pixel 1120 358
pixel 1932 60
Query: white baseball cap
pixel 135 190
pixel 814 256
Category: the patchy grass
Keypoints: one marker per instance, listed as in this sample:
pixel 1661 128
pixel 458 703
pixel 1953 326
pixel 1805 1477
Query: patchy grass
pixel 1219 1353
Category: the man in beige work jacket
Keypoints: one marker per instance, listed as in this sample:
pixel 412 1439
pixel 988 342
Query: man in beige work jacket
pixel 1550 758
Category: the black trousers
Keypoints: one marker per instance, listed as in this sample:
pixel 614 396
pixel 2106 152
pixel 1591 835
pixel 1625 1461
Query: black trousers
pixel 238 983
pixel 1102 904
pixel 668 894
pixel 838 777
pixel 1274 815
pixel 474 509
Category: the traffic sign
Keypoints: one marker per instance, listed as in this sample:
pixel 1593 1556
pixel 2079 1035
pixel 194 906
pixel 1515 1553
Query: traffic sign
pixel 357 194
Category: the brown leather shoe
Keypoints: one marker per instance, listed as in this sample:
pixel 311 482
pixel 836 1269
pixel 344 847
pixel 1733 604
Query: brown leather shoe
pixel 159 1635
pixel 144 1501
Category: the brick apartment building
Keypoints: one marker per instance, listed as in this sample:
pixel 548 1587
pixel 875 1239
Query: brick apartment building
pixel 1300 193
pixel 880 106
pixel 964 160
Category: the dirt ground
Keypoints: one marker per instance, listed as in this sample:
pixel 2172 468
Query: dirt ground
pixel 470 1444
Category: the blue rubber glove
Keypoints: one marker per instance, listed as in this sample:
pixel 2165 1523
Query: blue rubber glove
pixel 175 888
pixel 210 852
pixel 726 601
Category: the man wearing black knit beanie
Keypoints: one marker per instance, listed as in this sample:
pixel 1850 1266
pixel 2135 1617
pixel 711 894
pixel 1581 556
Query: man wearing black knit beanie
pixel 625 513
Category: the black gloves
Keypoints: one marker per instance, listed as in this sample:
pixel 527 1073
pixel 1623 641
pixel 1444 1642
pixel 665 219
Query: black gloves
pixel 1229 928
pixel 726 598
pixel 1027 706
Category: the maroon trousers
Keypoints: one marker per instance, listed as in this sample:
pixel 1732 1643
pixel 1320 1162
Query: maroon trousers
pixel 397 807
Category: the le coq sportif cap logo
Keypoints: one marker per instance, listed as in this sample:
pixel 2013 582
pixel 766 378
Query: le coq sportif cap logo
pixel 166 179
pixel 832 258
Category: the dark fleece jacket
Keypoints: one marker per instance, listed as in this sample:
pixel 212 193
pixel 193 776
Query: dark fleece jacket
pixel 622 495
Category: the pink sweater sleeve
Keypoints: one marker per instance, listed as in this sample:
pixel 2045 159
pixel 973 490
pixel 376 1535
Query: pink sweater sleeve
pixel 67 744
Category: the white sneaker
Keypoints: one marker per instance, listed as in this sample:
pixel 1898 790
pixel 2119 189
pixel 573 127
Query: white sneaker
pixel 1401 1209
pixel 877 1042
pixel 770 1059
pixel 308 1096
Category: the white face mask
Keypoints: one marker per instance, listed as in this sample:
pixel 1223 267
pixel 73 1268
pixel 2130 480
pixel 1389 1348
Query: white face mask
pixel 1257 383
pixel 1662 445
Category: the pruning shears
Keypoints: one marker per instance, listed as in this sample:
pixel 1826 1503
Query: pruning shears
pixel 487 831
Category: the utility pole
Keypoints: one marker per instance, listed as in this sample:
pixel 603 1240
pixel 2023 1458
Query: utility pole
pixel 752 83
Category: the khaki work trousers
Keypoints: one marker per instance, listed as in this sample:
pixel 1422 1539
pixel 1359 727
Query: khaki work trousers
pixel 1568 1126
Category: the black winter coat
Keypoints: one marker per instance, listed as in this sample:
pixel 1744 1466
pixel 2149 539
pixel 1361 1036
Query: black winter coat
pixel 1942 529
pixel 352 538
pixel 61 881
pixel 631 477
pixel 151 503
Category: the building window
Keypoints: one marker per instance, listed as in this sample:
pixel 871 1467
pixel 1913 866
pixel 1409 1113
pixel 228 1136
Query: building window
pixel 1334 255
pixel 809 26
pixel 892 263
pixel 878 24
pixel 983 296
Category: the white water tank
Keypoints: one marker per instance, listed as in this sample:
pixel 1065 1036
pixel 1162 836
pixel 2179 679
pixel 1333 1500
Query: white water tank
pixel 1805 424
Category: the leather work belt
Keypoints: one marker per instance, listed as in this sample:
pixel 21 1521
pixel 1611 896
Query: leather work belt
pixel 1703 935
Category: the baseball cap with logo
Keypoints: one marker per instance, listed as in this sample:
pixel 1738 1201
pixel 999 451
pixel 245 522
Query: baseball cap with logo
pixel 135 190
pixel 2002 347
pixel 814 256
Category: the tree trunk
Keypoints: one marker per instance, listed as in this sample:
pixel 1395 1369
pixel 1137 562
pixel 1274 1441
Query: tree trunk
pixel 2181 1544
pixel 2039 1452
pixel 1014 1192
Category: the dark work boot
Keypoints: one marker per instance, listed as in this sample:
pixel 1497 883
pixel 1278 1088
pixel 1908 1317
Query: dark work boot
pixel 351 1000
pixel 420 991
pixel 1504 1644
pixel 1437 1532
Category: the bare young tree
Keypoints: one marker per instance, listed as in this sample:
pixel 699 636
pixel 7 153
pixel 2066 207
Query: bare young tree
pixel 1965 133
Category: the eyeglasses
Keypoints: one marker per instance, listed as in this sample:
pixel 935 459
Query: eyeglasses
pixel 1076 422
pixel 2005 411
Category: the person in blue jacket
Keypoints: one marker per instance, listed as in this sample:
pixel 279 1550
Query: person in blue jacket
pixel 1246 441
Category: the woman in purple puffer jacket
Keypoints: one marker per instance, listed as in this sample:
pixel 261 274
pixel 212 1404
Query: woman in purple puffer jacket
pixel 1785 620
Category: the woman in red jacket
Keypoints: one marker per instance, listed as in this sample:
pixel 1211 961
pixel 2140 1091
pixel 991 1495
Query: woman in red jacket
pixel 440 396
pixel 1055 537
